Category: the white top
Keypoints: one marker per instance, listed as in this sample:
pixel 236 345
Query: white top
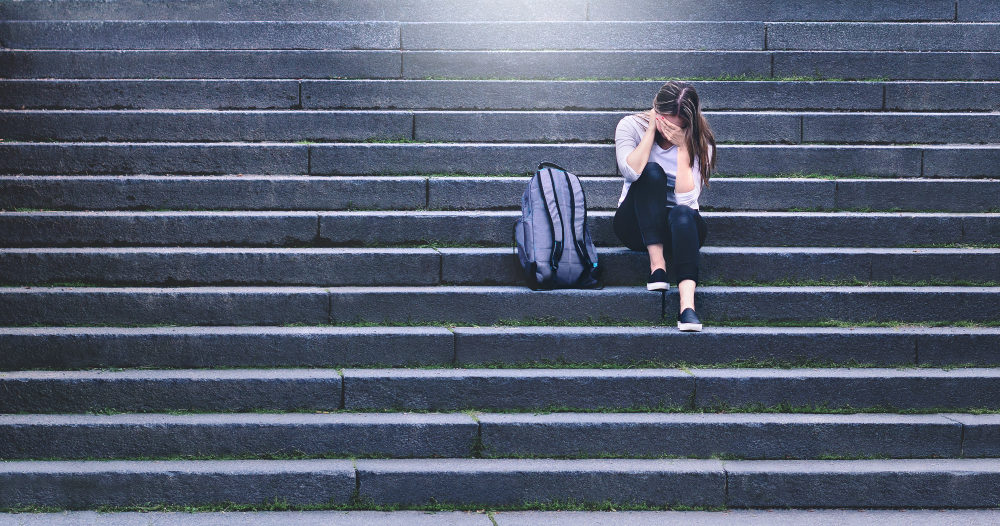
pixel 628 134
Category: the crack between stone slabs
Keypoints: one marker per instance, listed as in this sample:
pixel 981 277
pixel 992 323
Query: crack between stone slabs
pixel 300 95
pixel 916 350
pixel 309 160
pixel 955 19
pixel 427 192
pixel 922 162
pixel 454 346
pixel 884 90
pixel 765 43
pixel 961 435
pixel 329 306
pixel 357 478
pixel 802 129
pixel 725 484
pixel 343 389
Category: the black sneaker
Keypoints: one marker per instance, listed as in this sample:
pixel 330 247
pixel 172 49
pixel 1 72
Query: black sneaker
pixel 688 321
pixel 658 280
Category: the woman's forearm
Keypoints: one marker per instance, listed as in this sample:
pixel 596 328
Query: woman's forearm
pixel 685 180
pixel 640 155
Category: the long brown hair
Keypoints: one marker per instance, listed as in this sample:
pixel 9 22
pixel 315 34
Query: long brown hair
pixel 681 99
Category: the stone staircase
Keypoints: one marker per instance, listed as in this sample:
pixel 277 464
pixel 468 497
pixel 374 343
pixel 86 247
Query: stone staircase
pixel 257 254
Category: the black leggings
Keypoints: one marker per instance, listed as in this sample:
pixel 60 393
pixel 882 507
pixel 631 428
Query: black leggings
pixel 642 219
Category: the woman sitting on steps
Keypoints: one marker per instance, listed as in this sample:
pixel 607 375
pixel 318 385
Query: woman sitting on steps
pixel 659 154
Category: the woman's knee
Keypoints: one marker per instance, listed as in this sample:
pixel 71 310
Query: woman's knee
pixel 682 215
pixel 653 174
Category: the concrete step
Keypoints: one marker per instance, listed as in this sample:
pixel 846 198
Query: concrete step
pixel 824 229
pixel 508 482
pixel 750 517
pixel 164 390
pixel 405 435
pixel 939 161
pixel 380 346
pixel 493 126
pixel 556 64
pixel 200 64
pixel 495 389
pixel 253 192
pixel 615 95
pixel 119 34
pixel 964 483
pixel 471 266
pixel 570 35
pixel 479 10
pixel 497 435
pixel 526 389
pixel 607 94
pixel 32 306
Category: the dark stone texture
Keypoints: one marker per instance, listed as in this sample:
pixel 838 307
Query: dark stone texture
pixel 157 228
pixel 962 161
pixel 453 389
pixel 978 11
pixel 487 305
pixel 82 485
pixel 204 347
pixel 138 435
pixel 499 482
pixel 148 94
pixel 941 10
pixel 613 95
pixel 583 64
pixel 862 387
pixel 923 483
pixel 226 266
pixel 588 126
pixel 153 158
pixel 120 34
pixel 624 345
pixel 408 10
pixel 250 192
pixel 942 96
pixel 146 306
pixel 960 346
pixel 730 36
pixel 819 159
pixel 893 65
pixel 901 128
pixel 192 126
pixel 963 195
pixel 980 434
pixel 703 435
pixel 868 36
pixel 473 158
pixel 147 391
pixel 146 64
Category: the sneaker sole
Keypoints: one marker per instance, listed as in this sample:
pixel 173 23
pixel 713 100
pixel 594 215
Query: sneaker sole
pixel 657 286
pixel 689 327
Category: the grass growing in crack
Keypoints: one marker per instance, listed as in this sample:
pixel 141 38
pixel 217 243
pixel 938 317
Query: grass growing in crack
pixel 738 77
pixel 358 503
pixel 687 408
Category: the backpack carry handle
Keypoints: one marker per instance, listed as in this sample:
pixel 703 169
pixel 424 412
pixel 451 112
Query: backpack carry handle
pixel 546 164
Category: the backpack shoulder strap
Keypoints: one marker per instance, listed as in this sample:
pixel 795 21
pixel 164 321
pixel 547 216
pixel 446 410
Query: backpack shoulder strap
pixel 547 184
pixel 579 220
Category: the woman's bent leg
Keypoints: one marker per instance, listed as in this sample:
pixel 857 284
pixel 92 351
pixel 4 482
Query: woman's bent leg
pixel 687 234
pixel 640 220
